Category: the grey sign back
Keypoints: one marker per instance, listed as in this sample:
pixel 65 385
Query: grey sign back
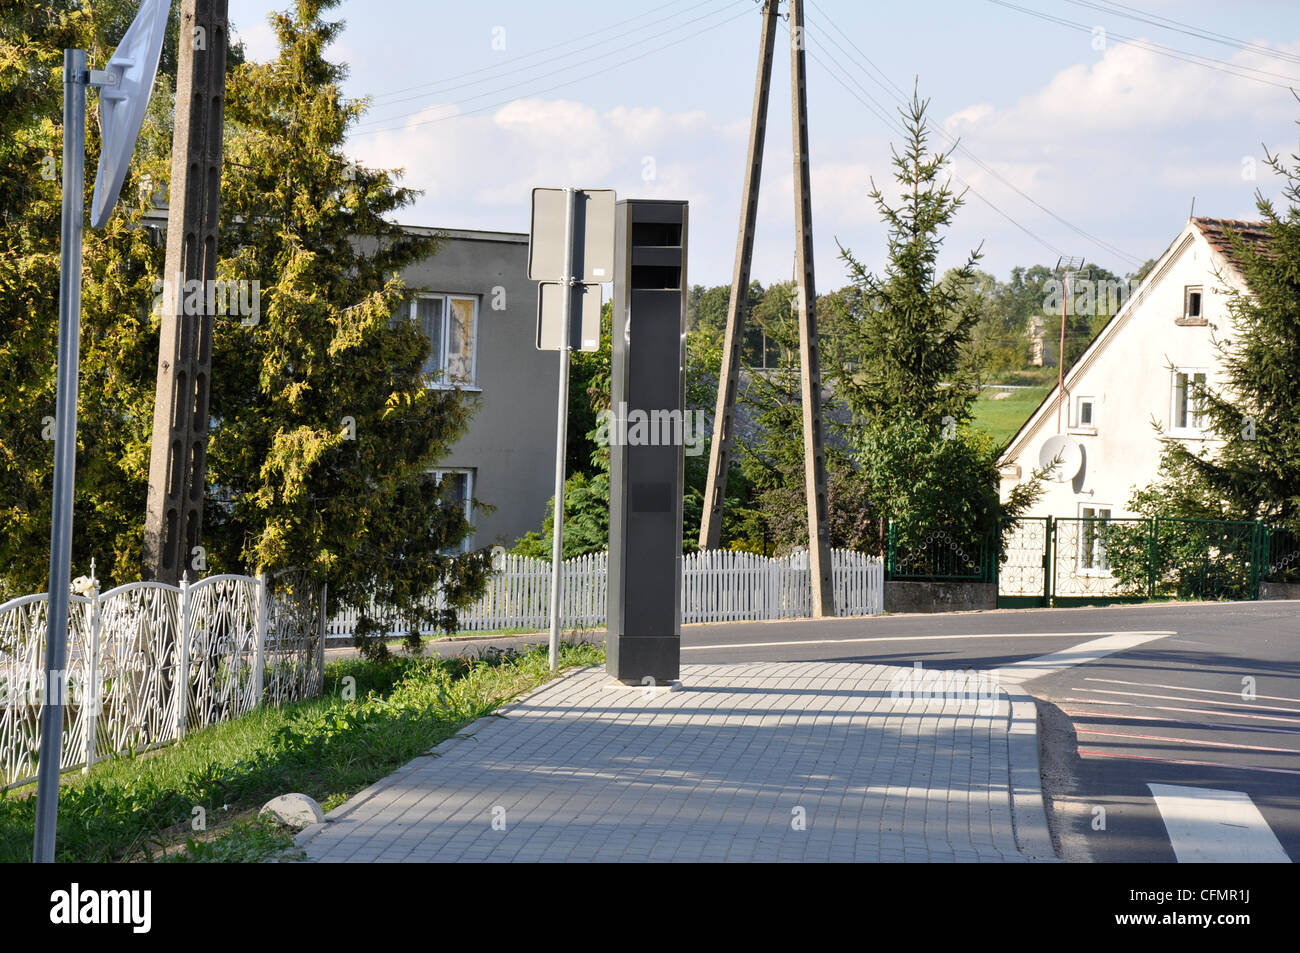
pixel 593 233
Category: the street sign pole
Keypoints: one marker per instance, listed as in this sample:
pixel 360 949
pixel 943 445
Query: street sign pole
pixel 65 451
pixel 561 431
pixel 124 95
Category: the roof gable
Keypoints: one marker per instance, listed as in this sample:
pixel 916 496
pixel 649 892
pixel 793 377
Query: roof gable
pixel 1212 232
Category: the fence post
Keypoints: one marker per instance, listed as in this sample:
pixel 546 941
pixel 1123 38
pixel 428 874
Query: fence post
pixel 1153 556
pixel 1261 542
pixel 182 681
pixel 320 648
pixel 1049 561
pixel 889 550
pixel 259 642
pixel 91 698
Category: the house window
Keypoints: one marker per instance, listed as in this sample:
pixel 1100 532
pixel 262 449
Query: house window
pixel 1188 412
pixel 450 322
pixel 1192 296
pixel 457 486
pixel 1086 413
pixel 1092 542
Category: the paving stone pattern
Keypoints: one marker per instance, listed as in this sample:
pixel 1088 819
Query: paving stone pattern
pixel 805 761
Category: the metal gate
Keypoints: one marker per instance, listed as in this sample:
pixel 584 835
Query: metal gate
pixel 1023 577
pixel 1065 561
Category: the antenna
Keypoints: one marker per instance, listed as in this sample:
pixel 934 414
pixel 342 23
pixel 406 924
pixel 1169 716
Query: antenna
pixel 1067 268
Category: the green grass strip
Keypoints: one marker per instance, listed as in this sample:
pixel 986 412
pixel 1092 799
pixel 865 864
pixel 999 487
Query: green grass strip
pixel 329 747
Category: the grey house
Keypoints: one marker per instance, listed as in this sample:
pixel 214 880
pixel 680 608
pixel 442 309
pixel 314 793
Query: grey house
pixel 475 302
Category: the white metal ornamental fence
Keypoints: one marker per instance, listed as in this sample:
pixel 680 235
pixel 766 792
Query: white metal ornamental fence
pixel 717 586
pixel 147 663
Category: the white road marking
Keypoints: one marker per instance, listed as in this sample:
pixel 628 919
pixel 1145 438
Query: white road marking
pixel 1187 688
pixel 1129 756
pixel 1202 701
pixel 1184 741
pixel 1076 655
pixel 935 638
pixel 1188 711
pixel 1207 825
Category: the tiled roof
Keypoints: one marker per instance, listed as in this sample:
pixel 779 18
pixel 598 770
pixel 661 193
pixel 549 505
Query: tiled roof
pixel 1216 232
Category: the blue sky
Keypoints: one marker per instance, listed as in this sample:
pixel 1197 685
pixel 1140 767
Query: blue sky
pixel 1106 125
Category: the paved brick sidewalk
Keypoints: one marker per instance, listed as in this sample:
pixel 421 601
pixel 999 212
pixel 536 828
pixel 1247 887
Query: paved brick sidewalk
pixel 723 770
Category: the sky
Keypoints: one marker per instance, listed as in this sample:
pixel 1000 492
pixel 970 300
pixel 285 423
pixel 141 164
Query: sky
pixel 1085 127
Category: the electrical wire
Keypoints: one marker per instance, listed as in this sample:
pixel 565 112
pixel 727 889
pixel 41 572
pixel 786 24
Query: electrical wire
pixel 1180 26
pixel 362 126
pixel 657 9
pixel 900 97
pixel 1173 53
pixel 899 130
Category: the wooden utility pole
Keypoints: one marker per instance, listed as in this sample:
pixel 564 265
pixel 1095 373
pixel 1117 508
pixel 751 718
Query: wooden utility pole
pixel 738 306
pixel 810 377
pixel 819 556
pixel 178 460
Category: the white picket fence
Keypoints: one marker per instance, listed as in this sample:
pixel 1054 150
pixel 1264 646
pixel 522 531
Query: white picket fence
pixel 718 585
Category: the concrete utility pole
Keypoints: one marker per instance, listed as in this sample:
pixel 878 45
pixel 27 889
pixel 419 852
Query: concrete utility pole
pixel 810 378
pixel 738 306
pixel 178 461
pixel 823 596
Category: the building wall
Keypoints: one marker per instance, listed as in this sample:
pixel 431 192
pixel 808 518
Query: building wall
pixel 1127 372
pixel 510 444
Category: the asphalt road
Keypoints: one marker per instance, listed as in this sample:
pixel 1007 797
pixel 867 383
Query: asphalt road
pixel 1207 709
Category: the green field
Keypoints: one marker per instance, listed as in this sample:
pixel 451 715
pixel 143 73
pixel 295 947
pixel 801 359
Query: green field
pixel 1002 418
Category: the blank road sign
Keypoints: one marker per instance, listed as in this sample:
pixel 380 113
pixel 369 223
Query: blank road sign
pixel 593 233
pixel 584 325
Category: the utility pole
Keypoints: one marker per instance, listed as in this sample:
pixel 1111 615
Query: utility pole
pixel 1069 267
pixel 810 377
pixel 178 460
pixel 738 305
pixel 819 558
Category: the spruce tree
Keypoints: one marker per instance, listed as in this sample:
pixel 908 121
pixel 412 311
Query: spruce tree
pixel 325 429
pixel 911 326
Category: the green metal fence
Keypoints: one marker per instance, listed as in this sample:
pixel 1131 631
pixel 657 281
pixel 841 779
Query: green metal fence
pixel 1056 561
pixel 1060 561
pixel 935 555
pixel 1282 560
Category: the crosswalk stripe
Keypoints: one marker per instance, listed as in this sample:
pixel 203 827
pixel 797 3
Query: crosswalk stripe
pixel 1208 825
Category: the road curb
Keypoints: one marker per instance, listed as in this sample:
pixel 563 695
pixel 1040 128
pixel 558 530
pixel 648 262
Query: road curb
pixel 1028 811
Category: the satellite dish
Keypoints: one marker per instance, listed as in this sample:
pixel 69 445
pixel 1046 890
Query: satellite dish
pixel 1068 450
pixel 121 106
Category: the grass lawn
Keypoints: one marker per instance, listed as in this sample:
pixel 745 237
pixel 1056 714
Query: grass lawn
pixel 143 808
pixel 1002 418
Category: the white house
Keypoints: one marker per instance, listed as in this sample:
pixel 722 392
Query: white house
pixel 1142 370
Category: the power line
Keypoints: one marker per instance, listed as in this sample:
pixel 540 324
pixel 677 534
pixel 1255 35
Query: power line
pixel 1195 59
pixel 1042 241
pixel 1179 26
pixel 657 9
pixel 899 96
pixel 563 69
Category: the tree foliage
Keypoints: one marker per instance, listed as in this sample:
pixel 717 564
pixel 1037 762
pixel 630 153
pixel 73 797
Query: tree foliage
pixel 913 326
pixel 326 430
